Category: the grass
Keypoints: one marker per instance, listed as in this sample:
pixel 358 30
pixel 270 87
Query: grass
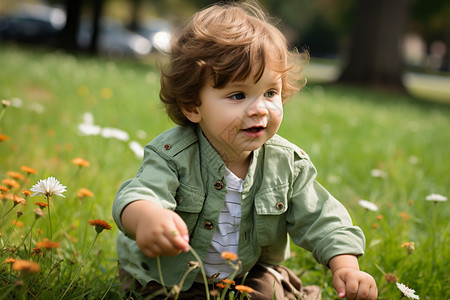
pixel 347 132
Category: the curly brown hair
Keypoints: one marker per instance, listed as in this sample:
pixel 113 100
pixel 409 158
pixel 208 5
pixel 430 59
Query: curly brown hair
pixel 229 42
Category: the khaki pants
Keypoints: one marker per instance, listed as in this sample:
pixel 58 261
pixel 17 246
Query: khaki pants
pixel 274 282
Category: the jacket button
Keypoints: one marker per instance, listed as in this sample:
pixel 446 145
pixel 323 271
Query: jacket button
pixel 218 185
pixel 167 146
pixel 208 225
pixel 280 206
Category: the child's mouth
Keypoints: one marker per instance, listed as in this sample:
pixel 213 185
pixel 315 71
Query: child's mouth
pixel 254 129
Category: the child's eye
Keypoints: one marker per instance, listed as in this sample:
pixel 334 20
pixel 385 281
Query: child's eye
pixel 237 96
pixel 270 94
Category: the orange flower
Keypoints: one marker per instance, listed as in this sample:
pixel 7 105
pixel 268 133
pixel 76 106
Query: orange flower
pixel 221 285
pixel 15 175
pixel 3 189
pixel 26 192
pixel 84 193
pixel 11 183
pixel 3 137
pixel 228 281
pixel 9 260
pixel 244 289
pixel 404 216
pixel 391 277
pixel 409 247
pixel 375 225
pixel 229 255
pixel 28 170
pixel 100 225
pixel 26 266
pixel 80 162
pixel 18 200
pixel 41 205
pixel 18 224
pixel 46 243
pixel 380 217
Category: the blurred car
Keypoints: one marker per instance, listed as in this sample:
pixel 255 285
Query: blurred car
pixel 33 23
pixel 114 40
pixel 158 32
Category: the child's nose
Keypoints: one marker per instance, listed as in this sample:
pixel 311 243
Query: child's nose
pixel 258 107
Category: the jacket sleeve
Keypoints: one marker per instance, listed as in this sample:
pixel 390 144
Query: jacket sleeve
pixel 318 222
pixel 156 181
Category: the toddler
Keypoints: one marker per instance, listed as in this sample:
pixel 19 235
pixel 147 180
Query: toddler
pixel 223 180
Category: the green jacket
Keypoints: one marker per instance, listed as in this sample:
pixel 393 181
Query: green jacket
pixel 181 171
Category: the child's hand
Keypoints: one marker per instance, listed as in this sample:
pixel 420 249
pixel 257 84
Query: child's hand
pixel 354 284
pixel 349 281
pixel 158 231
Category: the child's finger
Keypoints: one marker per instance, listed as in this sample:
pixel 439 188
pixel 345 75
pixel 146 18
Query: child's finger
pixel 180 234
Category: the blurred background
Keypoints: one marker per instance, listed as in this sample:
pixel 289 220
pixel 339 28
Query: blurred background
pixel 402 46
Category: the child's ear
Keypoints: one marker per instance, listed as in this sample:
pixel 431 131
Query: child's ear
pixel 191 112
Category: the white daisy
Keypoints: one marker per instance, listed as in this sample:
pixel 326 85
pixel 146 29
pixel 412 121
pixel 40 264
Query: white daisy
pixel 376 173
pixel 436 198
pixel 368 205
pixel 48 187
pixel 410 293
pixel 119 134
pixel 137 149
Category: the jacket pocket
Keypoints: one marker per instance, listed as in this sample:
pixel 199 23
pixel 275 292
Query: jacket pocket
pixel 189 204
pixel 271 206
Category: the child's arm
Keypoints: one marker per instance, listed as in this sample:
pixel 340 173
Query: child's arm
pixel 158 231
pixel 349 281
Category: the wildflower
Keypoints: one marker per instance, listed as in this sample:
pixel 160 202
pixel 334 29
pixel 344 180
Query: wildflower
pixel 11 183
pixel 6 103
pixel 41 205
pixel 368 205
pixel 47 244
pixel 228 281
pixel 380 217
pixel 48 187
pixel 436 198
pixel 3 189
pixel 221 285
pixel 28 170
pixel 18 200
pixel 18 224
pixel 84 193
pixel 390 277
pixel 404 216
pixel 36 251
pixel 106 93
pixel 26 266
pixel 26 192
pixel 89 129
pixel 193 264
pixel 9 260
pixel 115 133
pixel 137 149
pixel 409 247
pixel 375 225
pixel 244 289
pixel 410 293
pixel 80 162
pixel 410 202
pixel 375 173
pixel 38 213
pixel 229 256
pixel 100 225
pixel 3 137
pixel 15 175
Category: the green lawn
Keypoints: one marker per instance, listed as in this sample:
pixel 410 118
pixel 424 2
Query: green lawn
pixel 388 149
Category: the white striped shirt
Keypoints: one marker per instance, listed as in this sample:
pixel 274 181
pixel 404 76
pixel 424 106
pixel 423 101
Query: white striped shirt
pixel 226 236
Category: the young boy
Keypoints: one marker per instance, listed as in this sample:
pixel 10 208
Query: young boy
pixel 223 181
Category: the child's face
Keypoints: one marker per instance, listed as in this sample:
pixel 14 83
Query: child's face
pixel 241 116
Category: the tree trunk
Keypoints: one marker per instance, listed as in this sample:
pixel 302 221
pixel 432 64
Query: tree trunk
pixel 375 56
pixel 97 14
pixel 70 31
pixel 135 10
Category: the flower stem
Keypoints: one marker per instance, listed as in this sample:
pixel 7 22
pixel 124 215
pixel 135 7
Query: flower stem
pixel 48 197
pixel 202 269
pixel 80 266
pixel 160 275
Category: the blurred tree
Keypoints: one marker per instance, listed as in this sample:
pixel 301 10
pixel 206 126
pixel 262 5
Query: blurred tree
pixel 69 33
pixel 375 58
